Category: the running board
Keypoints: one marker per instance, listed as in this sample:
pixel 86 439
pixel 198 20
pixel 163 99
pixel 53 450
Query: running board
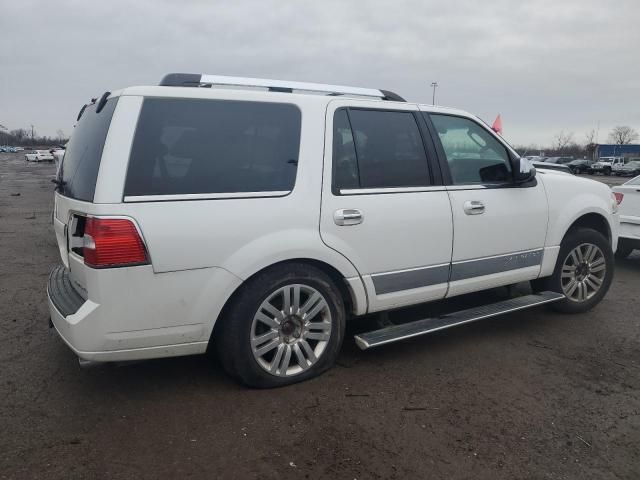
pixel 403 331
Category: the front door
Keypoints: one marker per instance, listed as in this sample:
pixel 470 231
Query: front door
pixel 382 205
pixel 499 228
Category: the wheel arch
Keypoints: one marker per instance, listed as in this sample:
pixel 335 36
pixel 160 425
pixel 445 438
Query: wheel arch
pixel 594 221
pixel 352 290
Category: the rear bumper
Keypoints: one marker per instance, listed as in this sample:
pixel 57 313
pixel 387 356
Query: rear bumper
pixel 135 313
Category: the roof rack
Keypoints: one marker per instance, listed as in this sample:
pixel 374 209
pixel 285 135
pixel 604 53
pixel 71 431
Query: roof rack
pixel 206 81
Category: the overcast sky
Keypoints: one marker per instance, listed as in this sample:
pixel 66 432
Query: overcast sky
pixel 545 65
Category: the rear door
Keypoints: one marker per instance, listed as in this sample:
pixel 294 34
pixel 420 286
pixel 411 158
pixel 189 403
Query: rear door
pixel 383 205
pixel 499 228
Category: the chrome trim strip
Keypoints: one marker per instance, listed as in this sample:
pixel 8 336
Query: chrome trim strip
pixel 470 186
pixel 479 267
pixel 369 191
pixel 407 279
pixel 203 196
pixel 389 282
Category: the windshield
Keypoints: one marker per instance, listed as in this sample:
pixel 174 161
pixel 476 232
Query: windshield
pixel 79 169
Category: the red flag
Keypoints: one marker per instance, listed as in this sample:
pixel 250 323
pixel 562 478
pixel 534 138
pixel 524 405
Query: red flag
pixel 497 125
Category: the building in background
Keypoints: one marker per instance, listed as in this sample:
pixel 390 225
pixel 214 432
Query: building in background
pixel 612 150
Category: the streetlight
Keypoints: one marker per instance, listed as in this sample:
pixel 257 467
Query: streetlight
pixel 434 85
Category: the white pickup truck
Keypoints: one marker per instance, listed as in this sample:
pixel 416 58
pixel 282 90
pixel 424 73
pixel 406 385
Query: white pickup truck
pixel 257 220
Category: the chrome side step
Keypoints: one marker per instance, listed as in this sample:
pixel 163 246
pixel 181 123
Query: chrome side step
pixel 403 331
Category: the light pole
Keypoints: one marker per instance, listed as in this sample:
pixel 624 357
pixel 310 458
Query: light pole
pixel 434 85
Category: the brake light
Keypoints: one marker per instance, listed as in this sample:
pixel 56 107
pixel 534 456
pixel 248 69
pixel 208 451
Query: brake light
pixel 112 242
pixel 619 196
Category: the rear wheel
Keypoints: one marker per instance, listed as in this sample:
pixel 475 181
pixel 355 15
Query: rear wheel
pixel 583 271
pixel 285 325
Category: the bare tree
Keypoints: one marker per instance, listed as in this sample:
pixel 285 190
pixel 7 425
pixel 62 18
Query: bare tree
pixel 562 140
pixel 590 137
pixel 623 135
pixel 590 143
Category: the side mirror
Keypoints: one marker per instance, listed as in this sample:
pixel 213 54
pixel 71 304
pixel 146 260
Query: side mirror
pixel 523 170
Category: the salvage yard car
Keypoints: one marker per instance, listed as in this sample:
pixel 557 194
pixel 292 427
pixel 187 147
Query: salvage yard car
pixel 629 169
pixel 628 196
pixel 580 166
pixel 38 156
pixel 256 218
pixel 605 165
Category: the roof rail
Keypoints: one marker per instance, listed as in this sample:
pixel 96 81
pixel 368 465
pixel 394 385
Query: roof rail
pixel 198 80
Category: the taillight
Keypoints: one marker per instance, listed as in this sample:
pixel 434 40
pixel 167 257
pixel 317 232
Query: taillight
pixel 619 196
pixel 112 242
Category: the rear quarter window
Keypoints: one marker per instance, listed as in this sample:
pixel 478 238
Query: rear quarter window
pixel 79 170
pixel 195 146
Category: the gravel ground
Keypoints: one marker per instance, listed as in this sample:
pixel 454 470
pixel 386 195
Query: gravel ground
pixel 528 395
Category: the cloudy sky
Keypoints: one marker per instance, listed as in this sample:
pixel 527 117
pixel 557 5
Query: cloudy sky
pixel 544 65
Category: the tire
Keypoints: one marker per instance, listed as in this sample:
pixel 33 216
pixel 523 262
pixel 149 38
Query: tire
pixel 260 363
pixel 583 238
pixel 607 171
pixel 624 250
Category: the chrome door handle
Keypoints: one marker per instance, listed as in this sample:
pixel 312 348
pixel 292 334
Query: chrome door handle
pixel 473 207
pixel 347 216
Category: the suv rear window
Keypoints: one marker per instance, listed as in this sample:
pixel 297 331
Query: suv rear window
pixel 79 170
pixel 195 146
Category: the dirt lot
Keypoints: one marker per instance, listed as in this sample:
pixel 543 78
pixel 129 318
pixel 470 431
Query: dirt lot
pixel 528 395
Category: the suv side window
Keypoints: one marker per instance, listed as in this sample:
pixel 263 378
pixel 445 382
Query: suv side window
pixel 474 155
pixel 195 146
pixel 345 163
pixel 378 149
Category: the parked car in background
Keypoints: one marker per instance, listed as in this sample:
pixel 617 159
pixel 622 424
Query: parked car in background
pixel 559 160
pixel 558 167
pixel 39 156
pixel 534 158
pixel 605 165
pixel 628 198
pixel 580 166
pixel 629 169
pixel 58 154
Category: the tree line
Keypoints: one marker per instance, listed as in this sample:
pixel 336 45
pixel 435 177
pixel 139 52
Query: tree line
pixel 564 143
pixel 23 137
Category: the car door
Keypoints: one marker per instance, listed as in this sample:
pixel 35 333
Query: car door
pixel 499 227
pixel 383 204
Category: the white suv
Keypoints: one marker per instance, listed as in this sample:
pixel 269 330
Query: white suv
pixel 258 217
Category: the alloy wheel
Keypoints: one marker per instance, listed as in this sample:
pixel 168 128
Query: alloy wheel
pixel 583 272
pixel 291 330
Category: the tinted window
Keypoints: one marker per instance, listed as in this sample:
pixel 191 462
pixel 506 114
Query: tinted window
pixel 345 163
pixel 474 155
pixel 184 146
pixel 79 170
pixel 388 149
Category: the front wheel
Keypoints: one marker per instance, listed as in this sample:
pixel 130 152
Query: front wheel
pixel 583 273
pixel 285 325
